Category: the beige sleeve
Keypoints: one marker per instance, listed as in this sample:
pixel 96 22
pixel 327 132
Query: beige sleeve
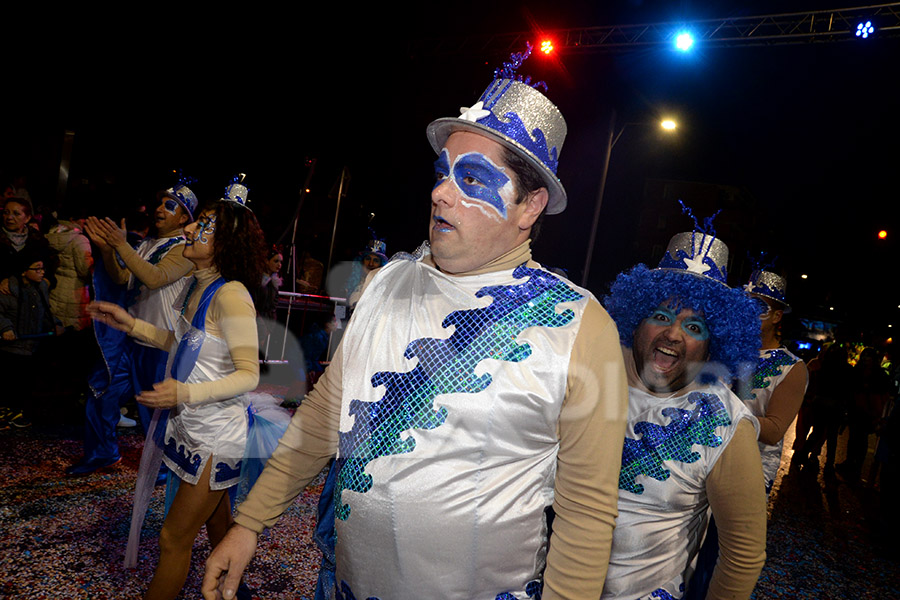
pixel 232 317
pixel 172 267
pixel 153 335
pixel 116 272
pixel 308 444
pixel 783 405
pixel 737 496
pixel 592 433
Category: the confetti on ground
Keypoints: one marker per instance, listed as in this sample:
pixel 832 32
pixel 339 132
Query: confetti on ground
pixel 64 538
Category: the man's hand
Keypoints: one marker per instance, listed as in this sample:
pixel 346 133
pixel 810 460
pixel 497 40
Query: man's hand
pixel 93 231
pixel 164 394
pixel 114 235
pixel 227 562
pixel 112 314
pixel 9 335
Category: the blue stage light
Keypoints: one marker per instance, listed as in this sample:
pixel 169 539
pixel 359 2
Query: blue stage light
pixel 864 30
pixel 684 41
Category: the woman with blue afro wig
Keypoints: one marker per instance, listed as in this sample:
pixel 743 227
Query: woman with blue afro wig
pixel 731 315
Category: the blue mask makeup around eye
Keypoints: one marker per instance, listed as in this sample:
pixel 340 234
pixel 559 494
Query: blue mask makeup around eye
pixel 206 226
pixel 696 328
pixel 441 168
pixel 489 179
pixel 662 317
pixel 170 206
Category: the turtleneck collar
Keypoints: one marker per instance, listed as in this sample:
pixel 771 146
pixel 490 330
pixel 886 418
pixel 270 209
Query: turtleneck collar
pixel 510 260
pixel 206 276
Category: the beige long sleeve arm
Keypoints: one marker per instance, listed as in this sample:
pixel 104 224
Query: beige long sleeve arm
pixel 783 405
pixel 306 447
pixel 232 317
pixel 737 497
pixel 172 267
pixel 592 432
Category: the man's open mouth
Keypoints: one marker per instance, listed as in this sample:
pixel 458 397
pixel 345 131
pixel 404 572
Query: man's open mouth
pixel 664 358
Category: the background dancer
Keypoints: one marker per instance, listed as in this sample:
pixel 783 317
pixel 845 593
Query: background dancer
pixel 155 274
pixel 690 447
pixel 206 432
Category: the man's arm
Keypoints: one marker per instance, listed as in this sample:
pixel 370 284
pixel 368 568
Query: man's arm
pixel 171 268
pixel 783 405
pixel 737 496
pixel 592 432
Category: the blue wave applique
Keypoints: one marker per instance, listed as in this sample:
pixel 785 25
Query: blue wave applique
pixel 181 457
pixel 445 366
pixel 768 368
pixel 659 443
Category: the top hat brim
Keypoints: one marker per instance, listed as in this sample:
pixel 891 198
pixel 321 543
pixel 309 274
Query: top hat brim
pixel 439 130
pixel 787 307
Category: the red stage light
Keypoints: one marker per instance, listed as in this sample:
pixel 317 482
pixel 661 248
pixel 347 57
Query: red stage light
pixel 547 47
pixel 882 234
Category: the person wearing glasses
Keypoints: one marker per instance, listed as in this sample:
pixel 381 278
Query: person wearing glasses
pixel 25 320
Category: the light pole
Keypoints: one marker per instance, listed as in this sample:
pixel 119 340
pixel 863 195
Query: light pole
pixel 668 125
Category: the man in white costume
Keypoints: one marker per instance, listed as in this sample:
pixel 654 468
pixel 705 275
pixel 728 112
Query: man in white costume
pixel 690 446
pixel 472 391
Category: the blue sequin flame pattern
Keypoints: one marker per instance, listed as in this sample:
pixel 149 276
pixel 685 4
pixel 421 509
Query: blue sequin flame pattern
pixel 659 443
pixel 769 366
pixel 445 366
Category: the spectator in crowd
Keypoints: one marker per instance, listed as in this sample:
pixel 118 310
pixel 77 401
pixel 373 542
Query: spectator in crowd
pixel 831 386
pixel 25 320
pixel 17 236
pixel 870 394
pixel 71 294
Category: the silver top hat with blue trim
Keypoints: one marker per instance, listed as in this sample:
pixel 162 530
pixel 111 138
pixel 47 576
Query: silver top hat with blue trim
pixel 699 254
pixel 521 118
pixel 237 192
pixel 183 195
pixel 768 284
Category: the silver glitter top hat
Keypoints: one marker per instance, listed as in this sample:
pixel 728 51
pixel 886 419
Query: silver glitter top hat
pixel 237 192
pixel 183 195
pixel 697 253
pixel 768 284
pixel 376 246
pixel 521 118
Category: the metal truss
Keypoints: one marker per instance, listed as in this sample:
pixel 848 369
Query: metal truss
pixel 789 28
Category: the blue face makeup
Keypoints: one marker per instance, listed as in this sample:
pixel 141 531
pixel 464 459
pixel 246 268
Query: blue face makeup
pixel 480 179
pixel 694 325
pixel 206 225
pixel 170 206
pixel 441 168
pixel 476 176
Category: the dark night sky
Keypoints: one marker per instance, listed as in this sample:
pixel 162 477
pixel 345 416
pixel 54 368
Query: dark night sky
pixel 808 130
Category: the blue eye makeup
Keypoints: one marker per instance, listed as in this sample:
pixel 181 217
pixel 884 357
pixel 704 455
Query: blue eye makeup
pixel 170 206
pixel 441 168
pixel 662 317
pixel 480 179
pixel 696 328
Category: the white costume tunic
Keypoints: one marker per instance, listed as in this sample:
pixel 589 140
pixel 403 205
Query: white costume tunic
pixel 215 429
pixel 155 305
pixel 671 445
pixel 453 387
pixel 773 367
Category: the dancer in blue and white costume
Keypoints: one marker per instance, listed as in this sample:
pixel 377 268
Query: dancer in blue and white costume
pixel 775 391
pixel 690 447
pixel 213 364
pixel 472 390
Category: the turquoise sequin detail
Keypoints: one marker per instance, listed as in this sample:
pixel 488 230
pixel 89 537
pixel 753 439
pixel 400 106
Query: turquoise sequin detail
pixel 659 443
pixel 768 368
pixel 446 366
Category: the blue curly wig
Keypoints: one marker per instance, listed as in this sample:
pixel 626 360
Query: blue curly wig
pixel 731 315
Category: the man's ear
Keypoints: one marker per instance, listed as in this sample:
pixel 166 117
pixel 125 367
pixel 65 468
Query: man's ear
pixel 534 203
pixel 183 219
pixel 777 316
